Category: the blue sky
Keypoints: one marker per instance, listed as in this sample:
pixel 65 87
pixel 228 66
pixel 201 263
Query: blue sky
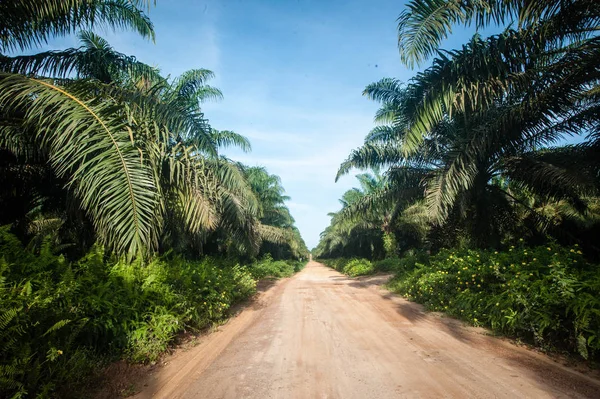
pixel 292 73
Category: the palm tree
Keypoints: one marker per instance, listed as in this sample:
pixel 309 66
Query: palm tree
pixel 369 232
pixel 125 141
pixel 459 180
pixel 425 23
pixel 274 215
pixel 79 126
pixel 547 66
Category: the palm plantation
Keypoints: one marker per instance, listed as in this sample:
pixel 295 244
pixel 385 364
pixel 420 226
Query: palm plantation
pixel 116 186
pixel 123 225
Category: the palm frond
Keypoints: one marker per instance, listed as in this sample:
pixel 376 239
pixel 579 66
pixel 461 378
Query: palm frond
pixel 28 23
pixel 228 138
pixel 90 144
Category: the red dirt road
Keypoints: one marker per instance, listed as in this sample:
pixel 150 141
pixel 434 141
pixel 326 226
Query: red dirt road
pixel 322 335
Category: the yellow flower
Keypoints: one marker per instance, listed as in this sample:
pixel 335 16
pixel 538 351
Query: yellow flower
pixel 549 249
pixel 59 352
pixel 579 252
pixel 497 303
pixel 478 285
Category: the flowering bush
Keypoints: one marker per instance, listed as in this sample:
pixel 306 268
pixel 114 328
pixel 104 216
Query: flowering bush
pixel 547 295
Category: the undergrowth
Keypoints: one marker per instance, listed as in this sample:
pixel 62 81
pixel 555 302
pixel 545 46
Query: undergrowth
pixel 351 267
pixel 61 321
pixel 548 296
pixel 269 268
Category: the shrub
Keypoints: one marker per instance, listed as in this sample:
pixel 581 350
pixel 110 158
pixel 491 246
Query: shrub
pixel 267 267
pixel 61 320
pixel 337 263
pixel 358 267
pixel 547 295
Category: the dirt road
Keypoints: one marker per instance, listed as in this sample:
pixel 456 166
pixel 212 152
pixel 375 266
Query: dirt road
pixel 322 335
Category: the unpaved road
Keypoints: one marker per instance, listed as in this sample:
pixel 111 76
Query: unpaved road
pixel 322 335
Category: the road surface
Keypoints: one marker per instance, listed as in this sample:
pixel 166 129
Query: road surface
pixel 323 335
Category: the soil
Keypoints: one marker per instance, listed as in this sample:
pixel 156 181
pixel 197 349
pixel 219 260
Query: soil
pixel 320 334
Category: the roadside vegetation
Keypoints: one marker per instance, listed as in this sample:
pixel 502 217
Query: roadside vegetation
pixel 481 184
pixel 123 223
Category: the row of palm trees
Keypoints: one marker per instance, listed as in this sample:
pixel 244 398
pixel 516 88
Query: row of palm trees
pixel 99 147
pixel 476 142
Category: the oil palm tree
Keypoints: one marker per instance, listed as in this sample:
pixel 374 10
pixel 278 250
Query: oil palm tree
pixel 458 180
pixel 124 139
pixel 81 130
pixel 547 65
pixel 368 232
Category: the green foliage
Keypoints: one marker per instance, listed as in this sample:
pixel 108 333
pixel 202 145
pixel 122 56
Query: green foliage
pixel 464 138
pixel 548 295
pixel 359 234
pixel 269 268
pixel 351 267
pixel 358 267
pixel 335 263
pixel 387 264
pixel 60 320
pixel 390 244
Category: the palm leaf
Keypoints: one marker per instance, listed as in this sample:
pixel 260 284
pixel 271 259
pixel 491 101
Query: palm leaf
pixel 28 23
pixel 90 144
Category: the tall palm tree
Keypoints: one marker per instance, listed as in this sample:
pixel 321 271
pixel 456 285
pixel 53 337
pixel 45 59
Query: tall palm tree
pixel 459 181
pixel 82 130
pixel 548 65
pixel 124 139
